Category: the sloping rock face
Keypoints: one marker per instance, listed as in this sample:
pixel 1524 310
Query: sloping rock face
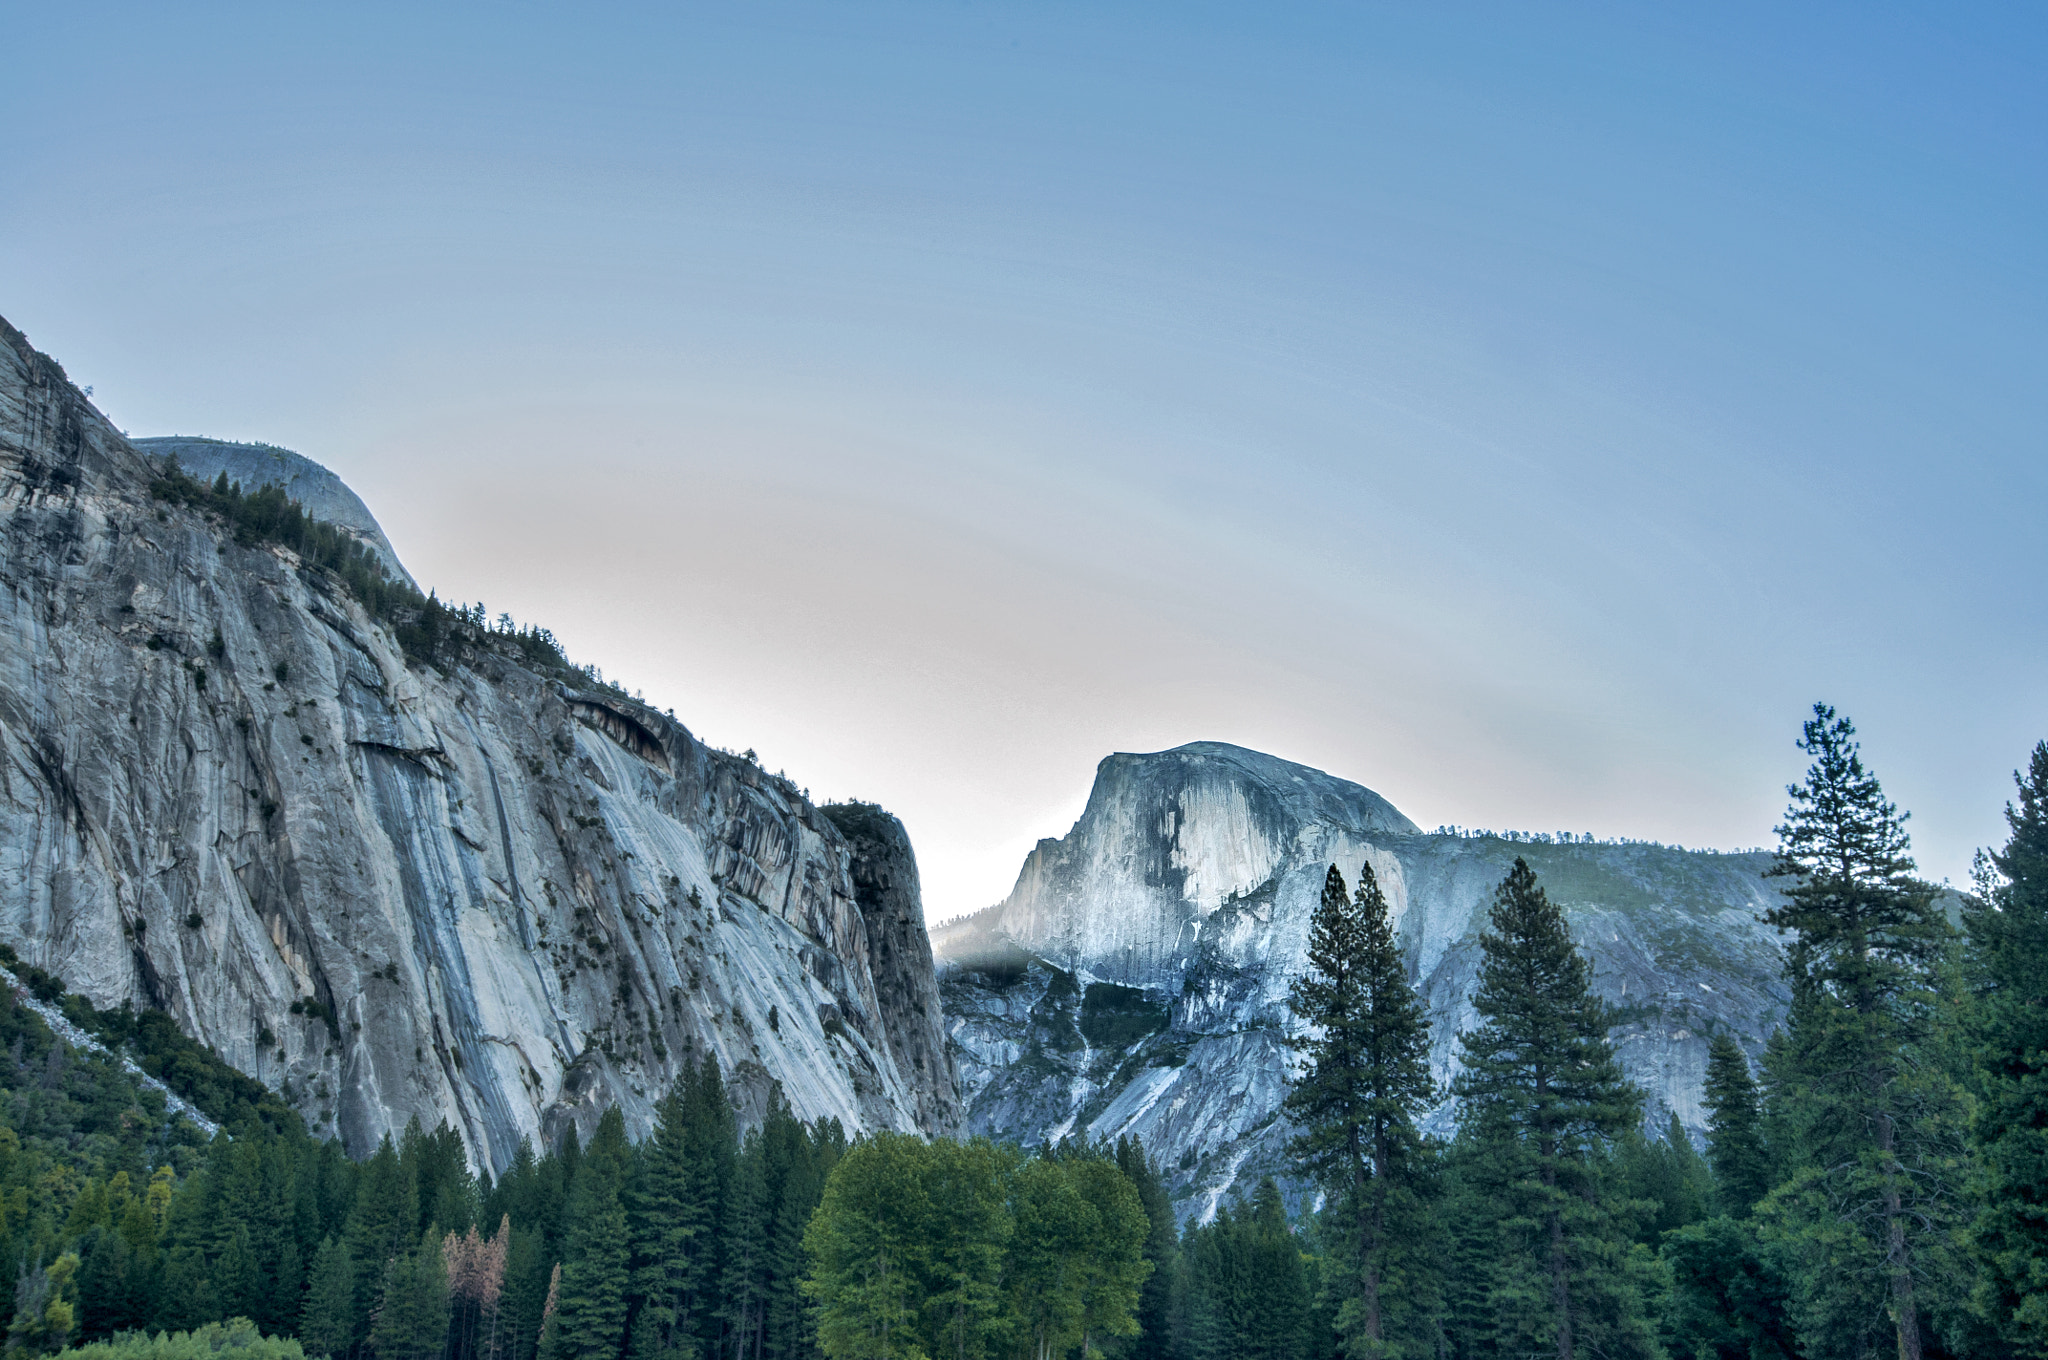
pixel 1135 980
pixel 318 491
pixel 488 895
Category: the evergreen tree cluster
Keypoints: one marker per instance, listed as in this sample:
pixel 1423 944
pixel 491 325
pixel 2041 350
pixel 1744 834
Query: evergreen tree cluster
pixel 118 1224
pixel 1878 1186
pixel 427 630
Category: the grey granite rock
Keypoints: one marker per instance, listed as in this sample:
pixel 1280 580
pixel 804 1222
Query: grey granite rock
pixel 1135 980
pixel 318 491
pixel 493 895
pixel 886 887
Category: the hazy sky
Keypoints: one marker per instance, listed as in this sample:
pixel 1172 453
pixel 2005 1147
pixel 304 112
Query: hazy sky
pixel 1524 411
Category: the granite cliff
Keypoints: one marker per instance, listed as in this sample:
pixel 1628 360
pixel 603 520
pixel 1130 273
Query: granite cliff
pixel 1135 980
pixel 482 889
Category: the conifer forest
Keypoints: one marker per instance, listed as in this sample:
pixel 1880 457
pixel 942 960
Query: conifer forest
pixel 1874 1184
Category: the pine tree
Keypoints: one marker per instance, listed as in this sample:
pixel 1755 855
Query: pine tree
pixel 329 1327
pixel 713 1154
pixel 1871 1120
pixel 412 1314
pixel 810 1158
pixel 1112 1268
pixel 674 1215
pixel 234 1274
pixel 1247 1293
pixel 1162 1250
pixel 1367 1076
pixel 743 1294
pixel 381 1224
pixel 1543 1100
pixel 590 1317
pixel 527 1273
pixel 1667 1181
pixel 1735 1146
pixel 2008 930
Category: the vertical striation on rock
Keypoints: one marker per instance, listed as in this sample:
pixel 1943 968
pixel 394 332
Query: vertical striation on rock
pixel 474 891
pixel 1135 981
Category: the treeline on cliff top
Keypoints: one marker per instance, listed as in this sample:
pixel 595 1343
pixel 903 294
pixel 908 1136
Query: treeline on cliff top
pixel 428 631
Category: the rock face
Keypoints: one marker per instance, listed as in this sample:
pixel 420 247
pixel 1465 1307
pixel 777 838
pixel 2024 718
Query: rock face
pixel 318 491
pixel 1135 980
pixel 886 889
pixel 495 895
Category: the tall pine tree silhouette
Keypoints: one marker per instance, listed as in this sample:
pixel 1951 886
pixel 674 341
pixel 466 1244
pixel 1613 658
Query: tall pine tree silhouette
pixel 590 1318
pixel 1869 1120
pixel 2009 968
pixel 1367 1076
pixel 1543 1099
pixel 1735 1147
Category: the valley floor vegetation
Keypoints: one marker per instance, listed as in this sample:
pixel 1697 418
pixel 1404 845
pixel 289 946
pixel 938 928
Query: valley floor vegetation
pixel 1875 1183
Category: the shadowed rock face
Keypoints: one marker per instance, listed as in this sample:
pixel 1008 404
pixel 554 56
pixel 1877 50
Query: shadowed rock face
pixel 518 899
pixel 885 886
pixel 1135 980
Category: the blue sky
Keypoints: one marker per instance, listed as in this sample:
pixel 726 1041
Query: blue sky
pixel 1525 411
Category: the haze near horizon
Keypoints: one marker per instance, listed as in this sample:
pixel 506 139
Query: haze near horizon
pixel 1527 416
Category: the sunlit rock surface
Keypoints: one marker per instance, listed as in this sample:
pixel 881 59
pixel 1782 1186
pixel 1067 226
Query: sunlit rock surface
pixel 1135 980
pixel 490 896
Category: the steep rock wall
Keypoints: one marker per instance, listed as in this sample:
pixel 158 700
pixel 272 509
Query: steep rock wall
pixel 885 885
pixel 487 895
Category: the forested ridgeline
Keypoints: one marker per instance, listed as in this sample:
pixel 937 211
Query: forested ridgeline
pixel 1875 1184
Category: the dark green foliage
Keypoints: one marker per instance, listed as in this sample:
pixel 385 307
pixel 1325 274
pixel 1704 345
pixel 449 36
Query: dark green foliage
pixel 596 1257
pixel 329 1321
pixel 1545 1101
pixel 188 1067
pixel 967 1249
pixel 1735 1145
pixel 1726 1302
pixel 2008 970
pixel 1247 1287
pixel 412 1312
pixel 1366 1081
pixel 1865 1116
pixel 776 1185
pixel 1117 1017
pixel 1664 1178
pixel 1162 1251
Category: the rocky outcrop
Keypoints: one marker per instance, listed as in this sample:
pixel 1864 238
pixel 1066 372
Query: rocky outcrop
pixel 484 890
pixel 1135 980
pixel 318 491
pixel 885 886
